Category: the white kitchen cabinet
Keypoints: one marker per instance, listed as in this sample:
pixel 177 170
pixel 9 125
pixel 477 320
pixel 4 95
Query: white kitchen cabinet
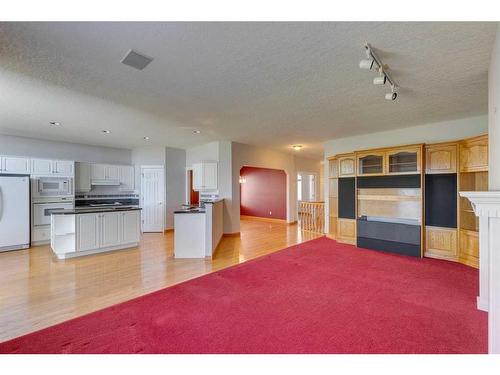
pixel 110 228
pixel 112 172
pixel 130 227
pixel 48 167
pixel 98 172
pixel 82 177
pixel 127 178
pixel 205 176
pixel 41 167
pixel 63 168
pixel 94 232
pixel 105 174
pixel 88 232
pixel 14 165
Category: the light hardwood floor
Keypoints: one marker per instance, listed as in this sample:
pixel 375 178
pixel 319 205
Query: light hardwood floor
pixel 37 290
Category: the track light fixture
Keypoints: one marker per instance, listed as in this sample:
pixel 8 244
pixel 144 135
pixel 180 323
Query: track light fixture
pixel 366 64
pixel 380 80
pixel 391 95
pixel 373 60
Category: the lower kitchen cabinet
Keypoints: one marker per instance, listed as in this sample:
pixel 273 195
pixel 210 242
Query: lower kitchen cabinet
pixel 111 229
pixel 87 232
pixel 130 227
pixel 94 232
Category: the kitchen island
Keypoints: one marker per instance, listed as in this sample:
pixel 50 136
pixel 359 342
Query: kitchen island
pixel 83 231
pixel 198 230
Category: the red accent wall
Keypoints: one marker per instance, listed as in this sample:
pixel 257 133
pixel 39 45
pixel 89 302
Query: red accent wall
pixel 263 191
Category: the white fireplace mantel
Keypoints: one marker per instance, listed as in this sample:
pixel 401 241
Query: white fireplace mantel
pixel 486 205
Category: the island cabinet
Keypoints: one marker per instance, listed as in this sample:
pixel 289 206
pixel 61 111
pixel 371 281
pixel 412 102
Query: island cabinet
pixel 87 233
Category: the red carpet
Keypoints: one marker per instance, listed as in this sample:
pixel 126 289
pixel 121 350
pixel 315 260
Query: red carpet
pixel 317 297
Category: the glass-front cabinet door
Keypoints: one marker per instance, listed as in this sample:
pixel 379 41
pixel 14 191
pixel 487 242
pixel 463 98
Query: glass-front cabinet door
pixel 404 161
pixel 370 163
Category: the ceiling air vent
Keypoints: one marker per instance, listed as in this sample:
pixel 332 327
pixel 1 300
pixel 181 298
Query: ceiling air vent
pixel 136 60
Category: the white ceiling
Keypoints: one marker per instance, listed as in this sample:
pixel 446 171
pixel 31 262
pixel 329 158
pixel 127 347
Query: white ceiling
pixel 271 84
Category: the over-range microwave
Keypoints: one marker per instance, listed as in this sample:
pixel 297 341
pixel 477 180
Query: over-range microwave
pixel 52 187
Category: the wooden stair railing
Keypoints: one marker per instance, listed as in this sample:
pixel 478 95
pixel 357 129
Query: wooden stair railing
pixel 312 216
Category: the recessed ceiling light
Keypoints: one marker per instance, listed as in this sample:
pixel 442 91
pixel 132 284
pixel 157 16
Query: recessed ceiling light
pixel 146 138
pixel 196 131
pixel 106 132
pixel 297 147
pixel 55 123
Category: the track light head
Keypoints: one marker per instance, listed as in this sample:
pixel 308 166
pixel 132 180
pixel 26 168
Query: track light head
pixel 391 96
pixel 380 80
pixel 366 64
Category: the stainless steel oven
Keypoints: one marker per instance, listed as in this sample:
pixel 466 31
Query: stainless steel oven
pixel 52 187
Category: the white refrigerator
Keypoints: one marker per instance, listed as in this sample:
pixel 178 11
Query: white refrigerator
pixel 14 212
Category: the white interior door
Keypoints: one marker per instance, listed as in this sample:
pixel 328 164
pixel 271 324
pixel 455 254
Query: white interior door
pixel 153 199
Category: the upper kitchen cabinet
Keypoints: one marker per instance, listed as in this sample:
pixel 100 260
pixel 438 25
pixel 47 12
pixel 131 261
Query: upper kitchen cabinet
pixel 205 176
pixel 104 174
pixel 98 172
pixel 346 165
pixel 82 177
pixel 63 167
pixel 127 177
pixel 404 160
pixel 14 165
pixel 46 167
pixel 441 158
pixel 474 154
pixel 370 163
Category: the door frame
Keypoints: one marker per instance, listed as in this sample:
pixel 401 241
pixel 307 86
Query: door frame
pixel 316 184
pixel 141 196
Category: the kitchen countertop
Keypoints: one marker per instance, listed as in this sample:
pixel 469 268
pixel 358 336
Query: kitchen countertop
pixel 91 210
pixel 190 211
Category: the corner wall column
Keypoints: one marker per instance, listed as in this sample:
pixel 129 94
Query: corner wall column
pixel 486 205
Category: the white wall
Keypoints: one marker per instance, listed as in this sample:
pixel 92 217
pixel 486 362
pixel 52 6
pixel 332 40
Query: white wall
pixel 173 161
pixel 32 147
pixel 149 155
pixel 205 152
pixel 427 133
pixel 176 182
pixel 493 119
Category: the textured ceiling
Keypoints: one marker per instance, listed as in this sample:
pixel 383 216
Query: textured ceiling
pixel 271 84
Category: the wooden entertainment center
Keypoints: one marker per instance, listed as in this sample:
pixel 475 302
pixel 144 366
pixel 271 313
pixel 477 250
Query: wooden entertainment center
pixel 405 199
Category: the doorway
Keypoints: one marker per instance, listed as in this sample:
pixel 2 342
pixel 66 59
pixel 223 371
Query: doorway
pixel 153 198
pixel 192 195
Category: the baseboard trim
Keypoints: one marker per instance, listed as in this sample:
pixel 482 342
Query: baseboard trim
pixel 482 304
pixel 168 230
pixel 258 218
pixel 235 234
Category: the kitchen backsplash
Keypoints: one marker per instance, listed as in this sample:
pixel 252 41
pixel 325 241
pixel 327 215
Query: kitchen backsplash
pixel 106 190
